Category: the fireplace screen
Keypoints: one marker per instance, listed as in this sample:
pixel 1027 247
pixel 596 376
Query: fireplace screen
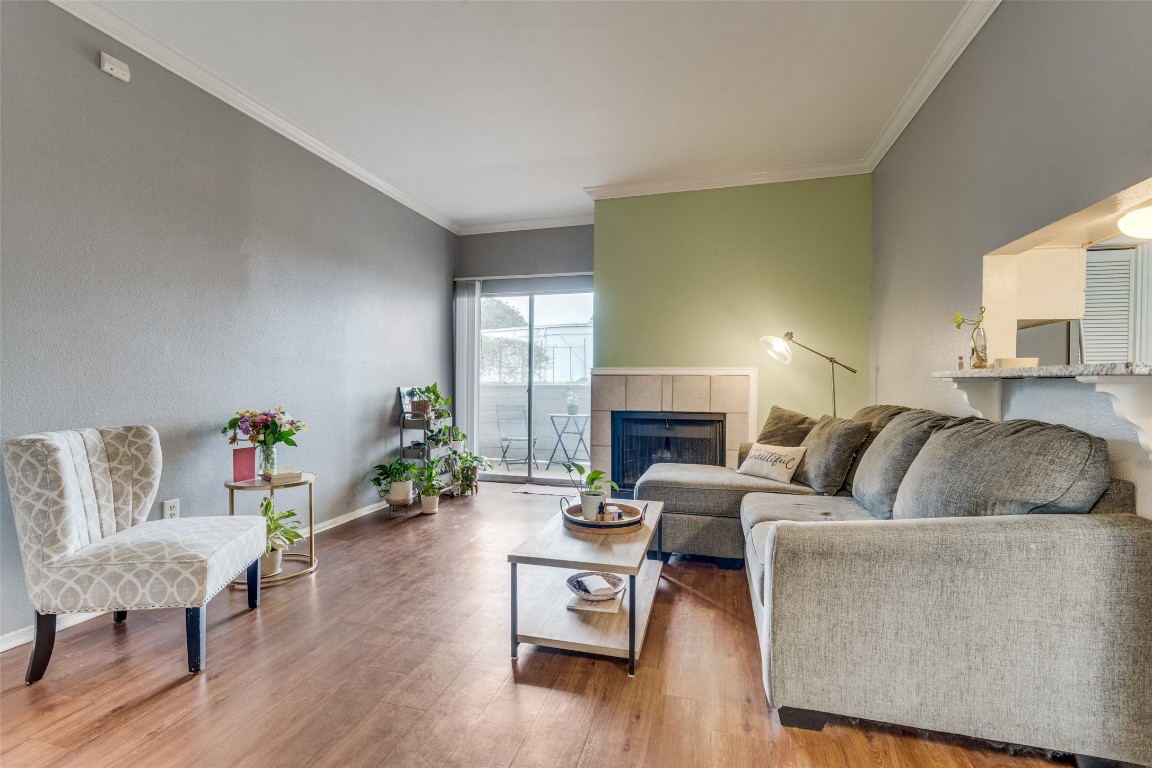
pixel 643 438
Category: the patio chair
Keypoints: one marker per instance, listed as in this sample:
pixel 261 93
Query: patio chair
pixel 512 425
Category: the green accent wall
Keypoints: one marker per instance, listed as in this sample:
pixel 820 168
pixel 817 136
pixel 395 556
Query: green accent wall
pixel 694 279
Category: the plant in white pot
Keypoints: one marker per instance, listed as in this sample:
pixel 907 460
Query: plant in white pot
pixel 395 480
pixel 590 485
pixel 456 438
pixel 429 483
pixel 282 534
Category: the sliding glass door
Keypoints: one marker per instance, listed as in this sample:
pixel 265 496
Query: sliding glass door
pixel 534 395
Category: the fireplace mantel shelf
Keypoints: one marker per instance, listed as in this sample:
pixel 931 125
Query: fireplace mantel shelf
pixel 1128 386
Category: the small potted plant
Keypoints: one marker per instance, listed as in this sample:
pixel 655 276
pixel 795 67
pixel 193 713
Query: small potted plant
pixel 468 466
pixel 456 438
pixel 395 480
pixel 590 485
pixel 430 485
pixel 440 436
pixel 282 534
pixel 573 403
pixel 429 402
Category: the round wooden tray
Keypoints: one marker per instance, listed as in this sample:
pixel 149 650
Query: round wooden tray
pixel 632 522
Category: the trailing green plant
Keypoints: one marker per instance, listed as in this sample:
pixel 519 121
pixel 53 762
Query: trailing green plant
pixel 431 393
pixel 960 321
pixel 455 433
pixel 394 472
pixel 468 464
pixel 440 436
pixel 282 532
pixel 428 480
pixel 588 482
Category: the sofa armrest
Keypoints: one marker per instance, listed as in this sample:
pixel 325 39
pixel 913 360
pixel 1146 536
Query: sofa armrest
pixel 1031 629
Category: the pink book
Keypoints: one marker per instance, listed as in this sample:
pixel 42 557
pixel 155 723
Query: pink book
pixel 243 464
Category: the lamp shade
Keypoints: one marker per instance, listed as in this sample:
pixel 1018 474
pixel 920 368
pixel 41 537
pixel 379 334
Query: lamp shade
pixel 1137 223
pixel 777 347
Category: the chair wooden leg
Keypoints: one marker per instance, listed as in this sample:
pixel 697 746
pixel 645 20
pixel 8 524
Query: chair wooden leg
pixel 41 646
pixel 254 584
pixel 196 622
pixel 119 616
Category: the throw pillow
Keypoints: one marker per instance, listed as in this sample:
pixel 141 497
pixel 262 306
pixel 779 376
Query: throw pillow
pixel 774 462
pixel 831 445
pixel 1004 468
pixel 879 416
pixel 785 428
pixel 882 468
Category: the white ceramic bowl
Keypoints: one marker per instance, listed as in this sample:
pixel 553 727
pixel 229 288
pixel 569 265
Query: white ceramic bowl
pixel 1017 362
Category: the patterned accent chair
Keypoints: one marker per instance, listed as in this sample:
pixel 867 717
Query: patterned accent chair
pixel 80 501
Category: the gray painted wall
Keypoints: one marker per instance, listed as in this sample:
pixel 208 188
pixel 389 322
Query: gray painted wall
pixel 527 252
pixel 1048 111
pixel 167 260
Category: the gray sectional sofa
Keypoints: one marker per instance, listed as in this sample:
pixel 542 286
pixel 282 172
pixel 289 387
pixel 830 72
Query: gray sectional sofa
pixel 980 578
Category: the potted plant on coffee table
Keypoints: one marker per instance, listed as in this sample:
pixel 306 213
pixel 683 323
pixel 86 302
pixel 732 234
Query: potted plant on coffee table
pixel 282 534
pixel 430 484
pixel 590 486
pixel 395 480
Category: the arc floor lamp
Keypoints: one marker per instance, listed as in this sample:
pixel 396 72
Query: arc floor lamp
pixel 781 349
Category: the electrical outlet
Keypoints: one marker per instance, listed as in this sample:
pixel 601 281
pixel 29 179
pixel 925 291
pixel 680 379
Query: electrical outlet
pixel 170 509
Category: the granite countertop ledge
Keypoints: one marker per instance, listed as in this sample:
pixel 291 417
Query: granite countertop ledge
pixel 1050 371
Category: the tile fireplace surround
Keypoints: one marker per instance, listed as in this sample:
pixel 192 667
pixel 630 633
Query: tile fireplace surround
pixel 730 391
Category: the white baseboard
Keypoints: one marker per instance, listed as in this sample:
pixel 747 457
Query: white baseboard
pixel 25 634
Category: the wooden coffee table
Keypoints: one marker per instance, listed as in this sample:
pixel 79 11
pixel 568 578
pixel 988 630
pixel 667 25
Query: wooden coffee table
pixel 564 552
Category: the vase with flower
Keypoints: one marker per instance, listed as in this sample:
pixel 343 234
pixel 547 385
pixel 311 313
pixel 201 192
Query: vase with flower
pixel 979 348
pixel 265 430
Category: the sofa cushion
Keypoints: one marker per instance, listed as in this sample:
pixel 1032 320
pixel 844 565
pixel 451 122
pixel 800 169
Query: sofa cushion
pixel 774 462
pixel 878 416
pixel 769 507
pixel 704 489
pixel 883 468
pixel 785 427
pixel 831 445
pixel 1004 468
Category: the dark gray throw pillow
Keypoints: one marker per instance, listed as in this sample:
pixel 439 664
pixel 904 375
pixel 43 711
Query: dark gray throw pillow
pixel 831 445
pixel 785 428
pixel 879 416
pixel 1004 468
pixel 882 468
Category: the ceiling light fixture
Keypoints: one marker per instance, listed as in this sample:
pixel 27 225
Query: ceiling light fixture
pixel 1137 222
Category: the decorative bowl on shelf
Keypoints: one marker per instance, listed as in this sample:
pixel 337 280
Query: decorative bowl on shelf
pixel 1017 362
pixel 575 584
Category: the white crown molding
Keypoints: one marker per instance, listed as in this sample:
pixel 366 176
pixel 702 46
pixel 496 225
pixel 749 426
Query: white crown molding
pixel 517 226
pixel 116 26
pixel 964 28
pixel 721 181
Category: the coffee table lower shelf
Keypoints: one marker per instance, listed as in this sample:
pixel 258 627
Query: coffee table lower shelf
pixel 545 619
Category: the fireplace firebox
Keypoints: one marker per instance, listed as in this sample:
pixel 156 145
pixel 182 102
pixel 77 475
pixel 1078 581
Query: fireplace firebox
pixel 643 438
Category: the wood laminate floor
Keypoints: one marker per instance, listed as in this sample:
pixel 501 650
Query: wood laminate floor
pixel 395 653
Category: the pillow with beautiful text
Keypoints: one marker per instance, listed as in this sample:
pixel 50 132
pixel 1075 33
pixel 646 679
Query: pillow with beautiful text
pixel 772 462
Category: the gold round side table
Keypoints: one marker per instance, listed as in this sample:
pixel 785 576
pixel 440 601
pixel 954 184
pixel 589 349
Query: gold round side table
pixel 307 479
